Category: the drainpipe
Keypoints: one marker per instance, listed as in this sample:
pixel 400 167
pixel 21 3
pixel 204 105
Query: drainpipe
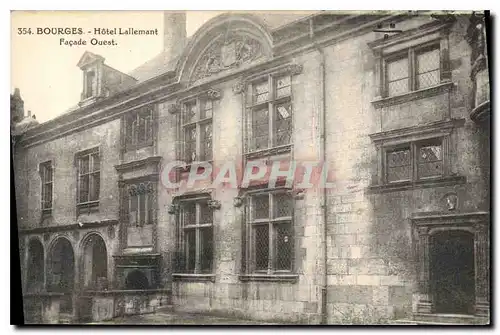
pixel 322 127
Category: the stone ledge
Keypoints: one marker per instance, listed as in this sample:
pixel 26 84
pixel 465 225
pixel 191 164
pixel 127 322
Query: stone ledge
pixel 193 277
pixel 410 185
pixel 413 95
pixel 289 278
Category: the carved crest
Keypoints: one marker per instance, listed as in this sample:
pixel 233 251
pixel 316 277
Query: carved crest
pixel 229 51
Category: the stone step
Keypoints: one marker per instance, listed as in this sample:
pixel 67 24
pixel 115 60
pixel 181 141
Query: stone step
pixel 65 318
pixel 449 319
pixel 165 308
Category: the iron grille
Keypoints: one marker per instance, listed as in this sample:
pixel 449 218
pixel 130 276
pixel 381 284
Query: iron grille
pixel 283 246
pixel 261 206
pixel 283 205
pixel 261 236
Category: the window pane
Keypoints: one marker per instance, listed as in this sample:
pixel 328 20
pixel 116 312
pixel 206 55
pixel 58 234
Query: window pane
pixel 190 240
pixel 189 112
pixel 283 123
pixel 261 243
pixel 47 173
pixel 189 210
pixel 84 188
pixel 206 214
pixel 84 165
pixel 96 163
pixel 261 91
pixel 428 79
pixel 190 149
pixel 283 246
pixel 398 165
pixel 398 87
pixel 47 196
pixel 282 205
pixel 206 251
pixel 260 206
pixel 260 129
pixel 428 61
pixel 283 87
pixel 133 208
pixel 142 209
pixel 397 76
pixel 430 159
pixel 95 184
pixel 397 69
pixel 206 142
pixel 206 109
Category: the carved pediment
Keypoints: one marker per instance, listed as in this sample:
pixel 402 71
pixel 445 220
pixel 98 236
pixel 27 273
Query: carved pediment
pixel 227 52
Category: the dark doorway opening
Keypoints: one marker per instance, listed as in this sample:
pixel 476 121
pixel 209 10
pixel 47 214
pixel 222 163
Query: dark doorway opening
pixel 452 272
pixel 35 280
pixel 61 274
pixel 136 280
pixel 95 263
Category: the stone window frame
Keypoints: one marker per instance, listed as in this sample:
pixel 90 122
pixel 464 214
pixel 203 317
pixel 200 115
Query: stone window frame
pixel 244 86
pixel 142 187
pixel 412 137
pixel 180 273
pixel 408 44
pixel 146 170
pixel 89 205
pixel 130 125
pixel 209 95
pixel 42 168
pixel 248 271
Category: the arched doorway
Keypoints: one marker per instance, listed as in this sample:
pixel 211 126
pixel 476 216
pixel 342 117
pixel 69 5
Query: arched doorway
pixel 61 272
pixel 94 263
pixel 452 272
pixel 136 280
pixel 35 269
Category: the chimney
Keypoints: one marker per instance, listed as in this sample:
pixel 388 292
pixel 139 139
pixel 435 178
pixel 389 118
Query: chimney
pixel 29 113
pixel 174 33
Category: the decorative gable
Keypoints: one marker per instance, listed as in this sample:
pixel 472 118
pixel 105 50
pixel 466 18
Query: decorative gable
pixel 89 58
pixel 228 51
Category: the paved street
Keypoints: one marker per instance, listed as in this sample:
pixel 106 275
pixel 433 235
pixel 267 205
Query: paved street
pixel 170 318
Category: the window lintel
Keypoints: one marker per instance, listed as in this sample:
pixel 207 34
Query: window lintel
pixel 416 133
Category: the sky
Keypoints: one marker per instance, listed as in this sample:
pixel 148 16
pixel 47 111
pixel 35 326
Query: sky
pixel 46 72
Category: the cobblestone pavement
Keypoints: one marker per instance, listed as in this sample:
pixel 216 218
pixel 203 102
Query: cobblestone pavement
pixel 170 318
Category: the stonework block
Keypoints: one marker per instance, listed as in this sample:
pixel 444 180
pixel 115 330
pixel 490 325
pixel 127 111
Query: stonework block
pixel 368 280
pixel 367 266
pixel 354 294
pixel 337 266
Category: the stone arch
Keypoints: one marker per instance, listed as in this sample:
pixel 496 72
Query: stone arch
pixel 61 265
pixel 245 37
pixel 36 265
pixel 94 261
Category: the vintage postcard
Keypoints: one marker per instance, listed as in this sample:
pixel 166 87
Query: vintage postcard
pixel 256 167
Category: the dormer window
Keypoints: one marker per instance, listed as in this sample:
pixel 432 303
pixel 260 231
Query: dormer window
pixel 89 84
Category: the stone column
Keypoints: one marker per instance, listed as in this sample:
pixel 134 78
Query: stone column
pixel 482 269
pixel 424 304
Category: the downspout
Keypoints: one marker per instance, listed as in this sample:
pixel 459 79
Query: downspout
pixel 322 149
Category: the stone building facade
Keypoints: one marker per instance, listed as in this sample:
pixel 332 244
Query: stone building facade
pixel 396 104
